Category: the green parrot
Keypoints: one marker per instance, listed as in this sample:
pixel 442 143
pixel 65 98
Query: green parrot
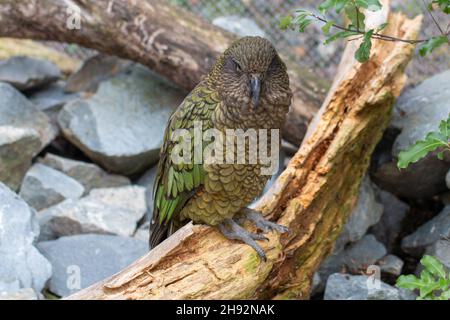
pixel 247 88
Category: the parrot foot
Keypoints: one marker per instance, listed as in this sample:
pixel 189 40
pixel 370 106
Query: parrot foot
pixel 265 225
pixel 236 232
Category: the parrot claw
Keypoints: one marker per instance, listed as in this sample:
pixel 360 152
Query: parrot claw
pixel 236 232
pixel 265 225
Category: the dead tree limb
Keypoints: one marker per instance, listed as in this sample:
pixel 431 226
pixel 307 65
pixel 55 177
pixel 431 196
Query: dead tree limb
pixel 313 197
pixel 167 39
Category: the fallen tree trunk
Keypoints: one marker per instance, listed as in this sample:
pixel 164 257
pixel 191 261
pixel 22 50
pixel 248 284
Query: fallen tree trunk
pixel 167 39
pixel 313 197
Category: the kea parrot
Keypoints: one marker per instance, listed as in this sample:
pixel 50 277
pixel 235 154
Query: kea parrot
pixel 247 88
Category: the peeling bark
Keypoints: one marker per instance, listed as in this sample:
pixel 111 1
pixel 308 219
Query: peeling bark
pixel 167 39
pixel 313 197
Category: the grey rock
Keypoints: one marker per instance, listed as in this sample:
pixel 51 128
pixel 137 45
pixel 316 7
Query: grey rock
pixel 143 232
pixel 430 171
pixel 241 26
pixel 94 70
pixel 447 179
pixel 44 186
pixel 147 180
pixel 17 148
pixel 419 111
pixel 317 285
pixel 441 250
pixel 26 73
pixel 355 258
pixel 24 132
pixel 122 125
pixel 81 260
pixel 22 266
pixel 51 99
pixel 105 211
pixel 347 287
pixel 388 229
pixel 427 234
pixel 391 265
pixel 367 212
pixel 21 294
pixel 89 175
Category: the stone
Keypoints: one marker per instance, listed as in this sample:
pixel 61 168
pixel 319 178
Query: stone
pixel 44 186
pixel 103 211
pixel 388 229
pixel 81 260
pixel 347 287
pixel 89 175
pixel 366 213
pixel 17 148
pixel 94 70
pixel 355 258
pixel 51 98
pixel 391 265
pixel 427 234
pixel 20 124
pixel 21 294
pixel 121 127
pixel 420 110
pixel 417 112
pixel 364 253
pixel 147 181
pixel 441 250
pixel 143 232
pixel 241 26
pixel 26 73
pixel 447 179
pixel 22 266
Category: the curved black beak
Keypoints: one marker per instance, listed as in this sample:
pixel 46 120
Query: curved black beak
pixel 255 89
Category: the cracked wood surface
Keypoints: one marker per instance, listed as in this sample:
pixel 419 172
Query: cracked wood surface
pixel 167 39
pixel 313 197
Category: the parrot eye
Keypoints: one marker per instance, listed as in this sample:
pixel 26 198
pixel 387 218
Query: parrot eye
pixel 238 67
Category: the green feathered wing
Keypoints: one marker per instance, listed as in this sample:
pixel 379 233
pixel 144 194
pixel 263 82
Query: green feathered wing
pixel 175 184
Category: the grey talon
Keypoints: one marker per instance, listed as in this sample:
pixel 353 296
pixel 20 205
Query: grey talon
pixel 261 223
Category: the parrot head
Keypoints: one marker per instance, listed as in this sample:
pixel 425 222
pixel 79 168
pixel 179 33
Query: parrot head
pixel 251 75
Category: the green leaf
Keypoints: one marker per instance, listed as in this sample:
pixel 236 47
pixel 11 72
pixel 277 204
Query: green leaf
pixel 372 5
pixel 285 22
pixel 444 5
pixel 410 282
pixel 382 26
pixel 327 26
pixel 302 20
pixel 444 127
pixel 355 16
pixel 432 44
pixel 433 266
pixel 340 35
pixel 363 53
pixel 338 5
pixel 420 149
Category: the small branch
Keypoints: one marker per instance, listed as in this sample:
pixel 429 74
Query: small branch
pixel 376 35
pixel 434 19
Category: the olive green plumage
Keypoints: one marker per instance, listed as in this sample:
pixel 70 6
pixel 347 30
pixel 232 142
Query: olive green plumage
pixel 248 88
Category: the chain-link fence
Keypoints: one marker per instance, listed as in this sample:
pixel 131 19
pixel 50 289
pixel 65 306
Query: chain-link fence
pixel 261 17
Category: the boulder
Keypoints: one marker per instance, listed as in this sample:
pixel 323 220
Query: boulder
pixel 22 266
pixel 441 250
pixel 347 287
pixel 43 187
pixel 26 73
pixel 122 126
pixel 103 211
pixel 427 234
pixel 89 175
pixel 81 260
pixel 24 132
pixel 391 265
pixel 241 26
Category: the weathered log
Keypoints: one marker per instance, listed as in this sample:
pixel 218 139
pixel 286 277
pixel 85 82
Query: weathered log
pixel 167 39
pixel 313 197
